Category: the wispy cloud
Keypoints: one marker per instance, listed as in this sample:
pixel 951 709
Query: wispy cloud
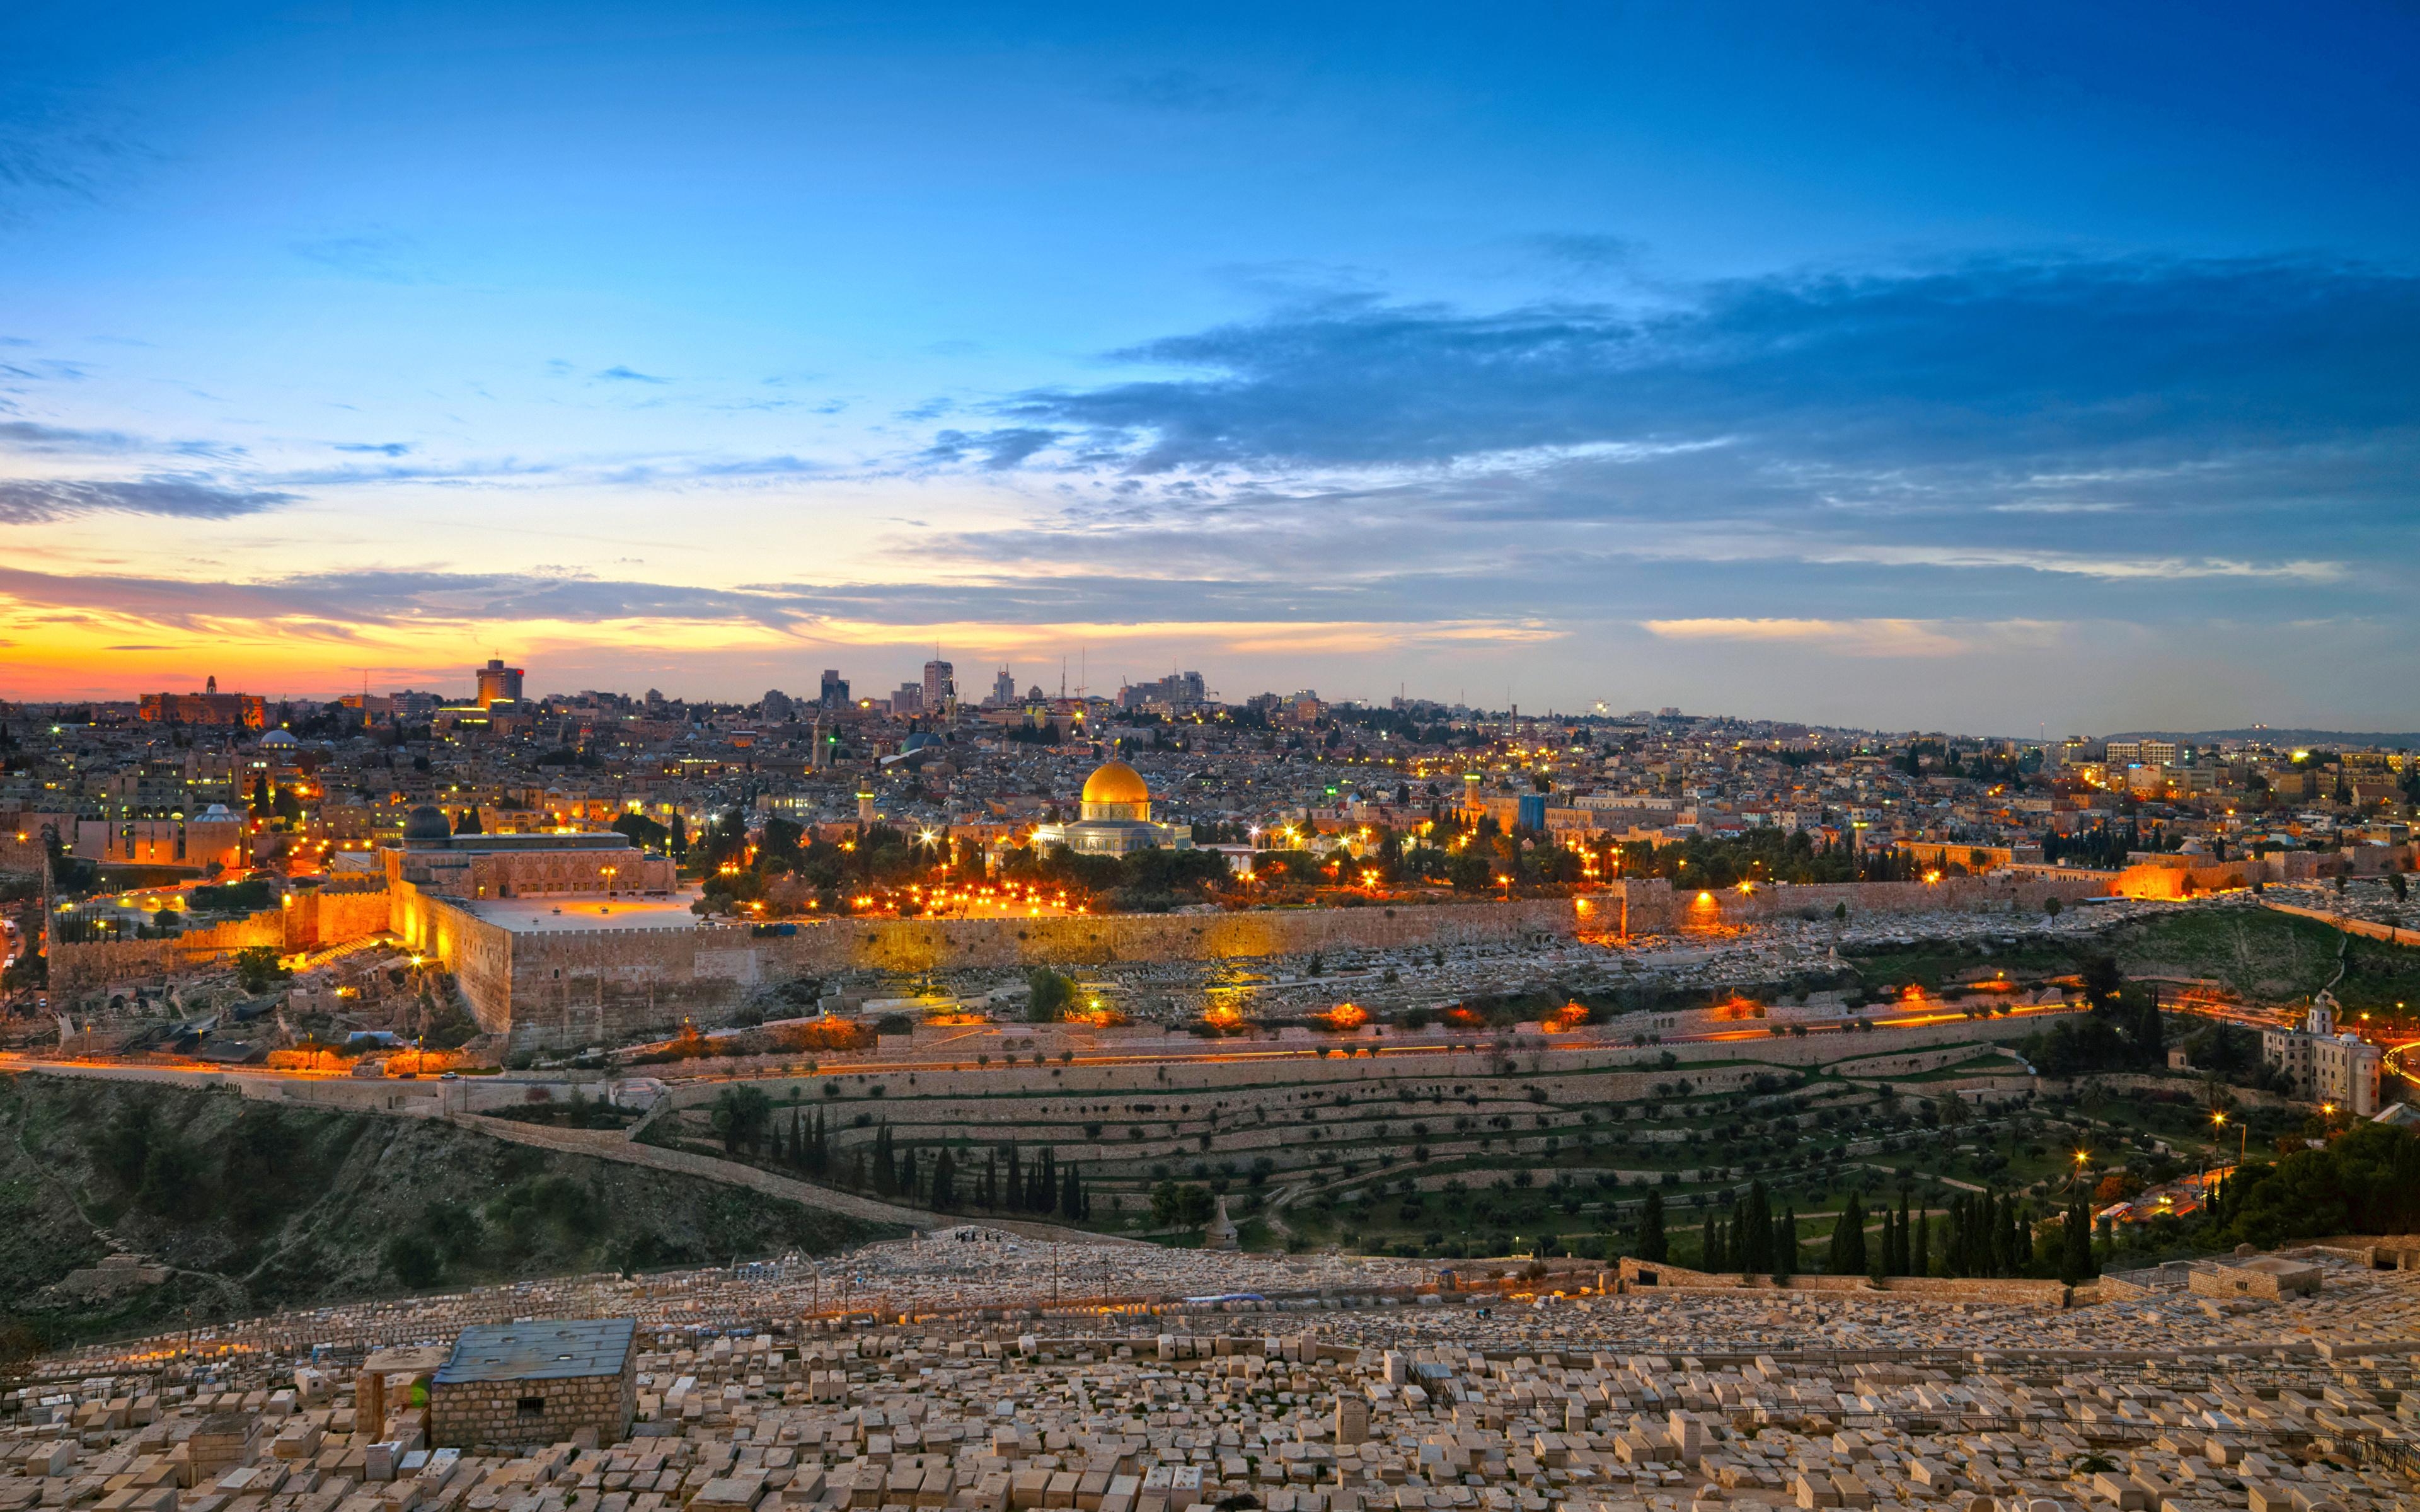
pixel 53 149
pixel 379 448
pixel 992 449
pixel 2135 419
pixel 380 257
pixel 35 501
pixel 1855 637
pixel 32 439
pixel 619 374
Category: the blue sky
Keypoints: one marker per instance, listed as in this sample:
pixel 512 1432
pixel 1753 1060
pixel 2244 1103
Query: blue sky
pixel 1915 366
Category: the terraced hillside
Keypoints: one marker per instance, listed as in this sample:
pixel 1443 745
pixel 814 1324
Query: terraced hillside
pixel 1437 1153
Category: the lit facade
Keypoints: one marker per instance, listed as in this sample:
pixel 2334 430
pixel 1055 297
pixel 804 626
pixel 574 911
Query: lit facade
pixel 2326 1066
pixel 1116 819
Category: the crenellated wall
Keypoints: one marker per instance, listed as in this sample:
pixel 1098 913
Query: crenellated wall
pixel 307 920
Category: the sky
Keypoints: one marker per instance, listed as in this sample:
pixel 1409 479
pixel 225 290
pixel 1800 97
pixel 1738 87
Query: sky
pixel 1944 367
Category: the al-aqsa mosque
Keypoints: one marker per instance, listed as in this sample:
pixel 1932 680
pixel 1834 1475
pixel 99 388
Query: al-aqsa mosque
pixel 1116 818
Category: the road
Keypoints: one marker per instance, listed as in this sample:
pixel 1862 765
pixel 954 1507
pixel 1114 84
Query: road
pixel 610 1143
pixel 2398 1064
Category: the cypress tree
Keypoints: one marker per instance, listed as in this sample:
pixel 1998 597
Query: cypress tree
pixel 1071 1196
pixel 1903 1259
pixel 1753 1240
pixel 1785 1246
pixel 1011 1191
pixel 1848 1251
pixel 2075 1243
pixel 991 1179
pixel 1651 1243
pixel 1718 1255
pixel 945 1179
pixel 1920 1258
pixel 908 1175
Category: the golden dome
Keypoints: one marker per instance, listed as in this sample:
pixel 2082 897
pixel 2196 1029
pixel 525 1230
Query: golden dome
pixel 1115 782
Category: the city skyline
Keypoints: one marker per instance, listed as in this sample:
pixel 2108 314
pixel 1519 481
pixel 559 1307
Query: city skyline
pixel 1899 369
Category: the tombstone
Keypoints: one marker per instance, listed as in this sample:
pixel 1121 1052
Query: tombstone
pixel 1221 1233
pixel 1352 1420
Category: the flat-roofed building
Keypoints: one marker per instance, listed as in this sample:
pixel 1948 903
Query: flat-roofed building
pixel 242 711
pixel 537 1382
pixel 600 861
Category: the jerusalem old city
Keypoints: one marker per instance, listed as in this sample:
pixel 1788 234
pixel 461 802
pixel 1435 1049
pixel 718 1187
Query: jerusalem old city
pixel 821 758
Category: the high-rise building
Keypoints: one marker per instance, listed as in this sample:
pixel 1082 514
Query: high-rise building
pixel 499 683
pixel 834 691
pixel 775 705
pixel 1003 690
pixel 1177 690
pixel 940 686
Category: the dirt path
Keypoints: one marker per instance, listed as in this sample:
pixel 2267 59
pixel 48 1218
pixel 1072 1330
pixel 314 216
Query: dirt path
pixel 610 1144
pixel 233 1287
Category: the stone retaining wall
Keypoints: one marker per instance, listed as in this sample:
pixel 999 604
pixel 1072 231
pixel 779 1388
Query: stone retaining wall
pixel 1648 1275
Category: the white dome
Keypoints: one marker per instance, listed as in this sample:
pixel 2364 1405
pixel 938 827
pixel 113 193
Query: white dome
pixel 280 737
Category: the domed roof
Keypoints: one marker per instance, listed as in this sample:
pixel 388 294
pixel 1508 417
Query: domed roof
pixel 1115 782
pixel 280 737
pixel 427 822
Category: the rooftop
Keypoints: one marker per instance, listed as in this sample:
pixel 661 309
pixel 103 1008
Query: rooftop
pixel 539 1350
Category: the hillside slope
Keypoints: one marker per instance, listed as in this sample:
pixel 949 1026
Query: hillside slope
pixel 257 1205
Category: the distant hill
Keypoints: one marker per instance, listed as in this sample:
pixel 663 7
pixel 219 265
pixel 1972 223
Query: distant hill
pixel 266 1205
pixel 2276 736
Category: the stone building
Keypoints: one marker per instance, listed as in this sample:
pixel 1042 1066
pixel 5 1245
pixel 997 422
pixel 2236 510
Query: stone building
pixel 535 1382
pixel 2341 1069
pixel 1116 819
pixel 602 862
pixel 2268 1276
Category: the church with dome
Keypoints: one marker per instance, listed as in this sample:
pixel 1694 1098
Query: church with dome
pixel 1116 819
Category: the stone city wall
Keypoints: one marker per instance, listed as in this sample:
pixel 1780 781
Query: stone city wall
pixel 2362 927
pixel 478 953
pixel 309 920
pixel 1656 906
pixel 22 857
pixel 578 985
